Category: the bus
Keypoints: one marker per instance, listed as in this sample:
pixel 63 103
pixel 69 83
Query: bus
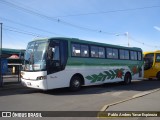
pixel 69 62
pixel 152 65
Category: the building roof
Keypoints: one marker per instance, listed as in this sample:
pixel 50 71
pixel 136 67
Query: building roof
pixel 12 51
pixel 7 52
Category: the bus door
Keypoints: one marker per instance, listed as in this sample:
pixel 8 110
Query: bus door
pixel 57 56
pixel 157 64
pixel 149 71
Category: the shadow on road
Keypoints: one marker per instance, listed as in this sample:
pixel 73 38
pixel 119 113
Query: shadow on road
pixel 137 85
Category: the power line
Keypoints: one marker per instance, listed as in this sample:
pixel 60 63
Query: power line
pixel 111 11
pixel 27 10
pixel 23 32
pixel 12 29
pixel 53 19
pixel 148 45
pixel 28 26
pixel 100 12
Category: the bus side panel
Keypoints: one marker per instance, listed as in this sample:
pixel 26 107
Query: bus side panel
pixel 59 79
pixel 92 75
pixel 62 78
pixel 150 73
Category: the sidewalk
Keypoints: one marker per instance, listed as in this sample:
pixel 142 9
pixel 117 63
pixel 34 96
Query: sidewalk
pixel 9 79
pixel 11 86
pixel 149 102
pixel 10 76
pixel 11 82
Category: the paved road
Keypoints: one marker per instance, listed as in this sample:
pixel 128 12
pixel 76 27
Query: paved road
pixel 91 98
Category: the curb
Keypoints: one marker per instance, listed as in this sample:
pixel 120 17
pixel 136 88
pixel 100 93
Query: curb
pixel 105 107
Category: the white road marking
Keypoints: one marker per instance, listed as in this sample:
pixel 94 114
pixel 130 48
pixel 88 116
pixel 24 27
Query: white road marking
pixel 117 93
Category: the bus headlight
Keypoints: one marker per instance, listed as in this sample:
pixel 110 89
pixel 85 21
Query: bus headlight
pixel 22 74
pixel 41 77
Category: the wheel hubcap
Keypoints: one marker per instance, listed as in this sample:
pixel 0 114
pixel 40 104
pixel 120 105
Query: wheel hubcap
pixel 76 83
pixel 128 79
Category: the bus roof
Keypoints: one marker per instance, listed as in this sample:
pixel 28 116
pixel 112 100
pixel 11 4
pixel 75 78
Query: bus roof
pixel 148 52
pixel 90 42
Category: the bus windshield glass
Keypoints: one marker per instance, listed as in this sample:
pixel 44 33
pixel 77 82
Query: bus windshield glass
pixel 35 56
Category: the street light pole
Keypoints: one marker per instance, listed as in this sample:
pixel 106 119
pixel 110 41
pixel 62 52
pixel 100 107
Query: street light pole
pixel 127 34
pixel 1 78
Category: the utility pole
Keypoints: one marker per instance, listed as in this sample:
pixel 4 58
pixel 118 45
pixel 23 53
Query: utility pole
pixel 1 78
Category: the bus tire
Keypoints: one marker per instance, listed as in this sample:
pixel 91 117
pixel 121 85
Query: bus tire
pixel 127 79
pixel 158 76
pixel 75 83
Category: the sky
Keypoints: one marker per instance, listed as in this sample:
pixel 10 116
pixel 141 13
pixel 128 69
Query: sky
pixel 117 22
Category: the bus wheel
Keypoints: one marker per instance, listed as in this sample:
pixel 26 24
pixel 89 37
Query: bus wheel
pixel 127 79
pixel 158 75
pixel 75 83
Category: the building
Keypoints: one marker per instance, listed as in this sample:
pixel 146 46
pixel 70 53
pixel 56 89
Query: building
pixel 14 58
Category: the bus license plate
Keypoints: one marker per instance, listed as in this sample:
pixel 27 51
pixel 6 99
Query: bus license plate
pixel 28 83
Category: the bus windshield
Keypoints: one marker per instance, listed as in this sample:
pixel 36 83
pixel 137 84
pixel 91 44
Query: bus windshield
pixel 35 56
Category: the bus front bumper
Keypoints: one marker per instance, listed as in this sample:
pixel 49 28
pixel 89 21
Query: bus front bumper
pixel 38 84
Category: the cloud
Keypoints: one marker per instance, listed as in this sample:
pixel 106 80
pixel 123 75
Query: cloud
pixel 157 28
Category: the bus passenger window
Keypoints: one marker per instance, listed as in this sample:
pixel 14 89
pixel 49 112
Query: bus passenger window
pixel 139 56
pixel 101 52
pixel 84 51
pixel 157 57
pixel 109 52
pixel 126 54
pixel 76 51
pixel 122 54
pixel 112 53
pixel 133 55
pixel 115 53
pixel 94 51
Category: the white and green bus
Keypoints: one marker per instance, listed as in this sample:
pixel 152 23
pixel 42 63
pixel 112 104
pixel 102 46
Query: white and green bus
pixel 68 62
